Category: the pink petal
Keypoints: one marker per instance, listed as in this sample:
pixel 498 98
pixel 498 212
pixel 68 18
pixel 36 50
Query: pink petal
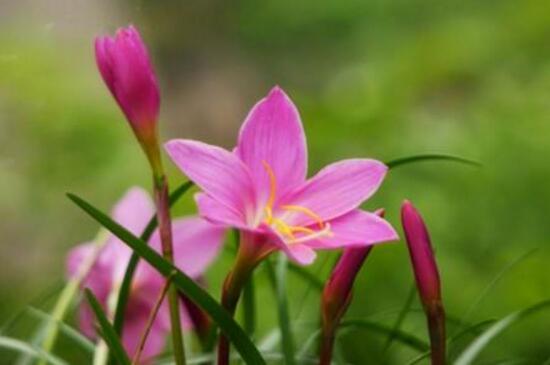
pixel 273 133
pixel 357 228
pixel 197 243
pixel 137 314
pixel 337 189
pixel 99 278
pixel 134 210
pixel 211 210
pixel 297 252
pixel 218 172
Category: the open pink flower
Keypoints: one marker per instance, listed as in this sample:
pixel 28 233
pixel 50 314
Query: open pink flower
pixel 196 245
pixel 261 187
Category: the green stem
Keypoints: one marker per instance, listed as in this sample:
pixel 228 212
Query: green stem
pixel 436 328
pixel 162 202
pixel 68 294
pixel 248 257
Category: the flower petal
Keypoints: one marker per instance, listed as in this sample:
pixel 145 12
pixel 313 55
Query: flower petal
pixel 272 133
pixel 134 210
pixel 99 278
pixel 211 210
pixel 357 228
pixel 196 244
pixel 297 252
pixel 136 317
pixel 336 189
pixel 218 172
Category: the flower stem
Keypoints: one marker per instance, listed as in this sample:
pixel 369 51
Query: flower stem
pixel 248 257
pixel 327 345
pixel 165 230
pixel 151 320
pixel 436 328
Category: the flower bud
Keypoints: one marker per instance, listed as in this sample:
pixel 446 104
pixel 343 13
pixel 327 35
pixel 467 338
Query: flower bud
pixel 422 258
pixel 427 278
pixel 124 64
pixel 338 289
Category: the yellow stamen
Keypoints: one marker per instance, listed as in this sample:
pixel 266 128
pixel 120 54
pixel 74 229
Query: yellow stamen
pixel 284 228
pixel 317 234
pixel 287 230
pixel 306 211
pixel 272 184
pixel 301 229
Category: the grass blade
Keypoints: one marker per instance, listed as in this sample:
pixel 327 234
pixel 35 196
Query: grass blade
pixel 493 283
pixel 67 330
pixel 399 335
pixel 23 347
pixel 277 277
pixel 401 317
pixel 249 307
pixel 126 284
pixel 470 354
pixel 185 284
pixel 107 331
pixel 429 157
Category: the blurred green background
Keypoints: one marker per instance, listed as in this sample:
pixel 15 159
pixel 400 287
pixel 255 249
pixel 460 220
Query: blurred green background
pixel 383 79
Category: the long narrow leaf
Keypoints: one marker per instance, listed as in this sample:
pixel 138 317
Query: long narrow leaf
pixel 69 331
pixel 107 331
pixel 403 337
pixel 249 307
pixel 470 354
pixel 185 284
pixel 23 347
pixel 429 157
pixel 277 277
pixel 134 259
pixel 401 317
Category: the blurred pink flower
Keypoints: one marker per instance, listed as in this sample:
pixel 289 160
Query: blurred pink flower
pixel 261 187
pixel 125 66
pixel 196 245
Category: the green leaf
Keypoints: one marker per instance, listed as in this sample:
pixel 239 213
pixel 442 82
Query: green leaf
pixel 67 330
pixel 313 280
pixel 249 307
pixel 23 347
pixel 471 352
pixel 107 331
pixel 429 157
pixel 277 277
pixel 401 317
pixel 493 283
pixel 134 259
pixel 399 335
pixel 185 284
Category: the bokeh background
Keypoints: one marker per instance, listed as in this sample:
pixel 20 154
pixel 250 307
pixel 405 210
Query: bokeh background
pixel 383 79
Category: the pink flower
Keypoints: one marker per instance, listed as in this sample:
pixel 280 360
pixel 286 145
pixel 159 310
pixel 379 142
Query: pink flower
pixel 125 66
pixel 422 257
pixel 261 187
pixel 196 245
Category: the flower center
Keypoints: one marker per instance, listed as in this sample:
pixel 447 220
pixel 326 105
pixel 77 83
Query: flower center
pixel 293 234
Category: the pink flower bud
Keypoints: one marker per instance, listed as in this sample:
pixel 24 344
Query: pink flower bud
pixel 125 66
pixel 427 279
pixel 422 258
pixel 337 290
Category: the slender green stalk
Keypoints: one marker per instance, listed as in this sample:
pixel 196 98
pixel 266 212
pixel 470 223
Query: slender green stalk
pixel 151 320
pixel 162 201
pixel 68 294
